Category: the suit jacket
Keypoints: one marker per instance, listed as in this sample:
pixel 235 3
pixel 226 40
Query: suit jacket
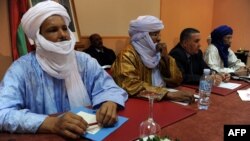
pixel 192 67
pixel 105 57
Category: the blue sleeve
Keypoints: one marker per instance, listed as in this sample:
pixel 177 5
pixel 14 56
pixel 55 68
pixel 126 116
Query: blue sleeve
pixel 100 85
pixel 14 116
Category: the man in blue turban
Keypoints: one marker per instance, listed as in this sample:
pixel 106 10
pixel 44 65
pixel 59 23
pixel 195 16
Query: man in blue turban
pixel 219 56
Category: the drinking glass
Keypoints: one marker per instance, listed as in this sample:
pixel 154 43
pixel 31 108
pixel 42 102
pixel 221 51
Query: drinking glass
pixel 149 126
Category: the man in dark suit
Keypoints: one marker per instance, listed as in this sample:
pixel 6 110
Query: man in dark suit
pixel 102 54
pixel 189 57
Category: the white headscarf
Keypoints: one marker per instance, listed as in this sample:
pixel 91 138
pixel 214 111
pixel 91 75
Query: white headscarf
pixel 56 58
pixel 139 33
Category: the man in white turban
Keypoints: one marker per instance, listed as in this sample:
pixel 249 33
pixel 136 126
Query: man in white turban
pixel 144 66
pixel 54 79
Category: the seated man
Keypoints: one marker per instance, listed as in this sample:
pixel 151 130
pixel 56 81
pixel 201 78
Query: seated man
pixel 145 65
pixel 55 79
pixel 103 55
pixel 189 57
pixel 219 56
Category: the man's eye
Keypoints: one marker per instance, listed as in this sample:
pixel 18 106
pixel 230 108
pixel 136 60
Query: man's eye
pixel 65 28
pixel 52 30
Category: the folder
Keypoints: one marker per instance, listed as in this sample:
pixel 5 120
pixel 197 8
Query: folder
pixel 219 90
pixel 103 132
pixel 137 110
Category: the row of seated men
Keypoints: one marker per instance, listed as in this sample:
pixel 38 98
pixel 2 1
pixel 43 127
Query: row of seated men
pixel 56 79
pixel 187 54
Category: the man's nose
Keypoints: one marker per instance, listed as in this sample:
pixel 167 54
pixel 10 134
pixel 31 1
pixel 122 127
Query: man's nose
pixel 158 38
pixel 63 34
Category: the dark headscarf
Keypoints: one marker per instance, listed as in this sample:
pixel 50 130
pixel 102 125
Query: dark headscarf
pixel 217 39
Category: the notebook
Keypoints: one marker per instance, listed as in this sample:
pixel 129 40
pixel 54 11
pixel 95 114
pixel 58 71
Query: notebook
pixel 97 133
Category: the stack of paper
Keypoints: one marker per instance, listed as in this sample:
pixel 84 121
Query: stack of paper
pixel 229 85
pixel 244 94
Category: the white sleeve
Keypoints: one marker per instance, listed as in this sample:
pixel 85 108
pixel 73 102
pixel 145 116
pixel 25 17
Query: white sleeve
pixel 233 62
pixel 213 60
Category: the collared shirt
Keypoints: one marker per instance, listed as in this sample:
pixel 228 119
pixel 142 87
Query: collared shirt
pixel 28 94
pixel 131 74
pixel 99 50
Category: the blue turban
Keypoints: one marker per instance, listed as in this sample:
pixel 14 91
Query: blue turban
pixel 217 39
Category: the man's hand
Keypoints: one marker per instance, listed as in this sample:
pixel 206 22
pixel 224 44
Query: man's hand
pixel 162 48
pixel 68 125
pixel 180 96
pixel 106 115
pixel 225 77
pixel 217 79
pixel 242 71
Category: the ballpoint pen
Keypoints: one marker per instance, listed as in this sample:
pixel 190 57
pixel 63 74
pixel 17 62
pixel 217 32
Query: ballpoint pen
pixel 94 123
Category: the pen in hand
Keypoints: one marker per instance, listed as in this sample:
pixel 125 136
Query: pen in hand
pixel 94 123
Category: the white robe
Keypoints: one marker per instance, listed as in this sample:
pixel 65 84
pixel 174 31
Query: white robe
pixel 213 60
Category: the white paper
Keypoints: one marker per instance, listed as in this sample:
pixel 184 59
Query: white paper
pixel 244 94
pixel 172 90
pixel 229 85
pixel 181 103
pixel 90 118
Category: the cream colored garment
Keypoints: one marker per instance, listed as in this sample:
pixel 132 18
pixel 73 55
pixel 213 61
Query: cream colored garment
pixel 213 60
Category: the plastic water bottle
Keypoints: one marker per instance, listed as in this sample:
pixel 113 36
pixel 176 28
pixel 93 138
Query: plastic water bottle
pixel 205 87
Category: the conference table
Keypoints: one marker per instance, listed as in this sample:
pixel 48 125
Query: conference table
pixel 197 125
pixel 208 125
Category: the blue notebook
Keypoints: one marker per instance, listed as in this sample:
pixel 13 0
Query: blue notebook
pixel 104 132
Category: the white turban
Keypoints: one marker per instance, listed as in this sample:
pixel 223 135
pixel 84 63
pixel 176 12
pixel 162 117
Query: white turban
pixel 144 24
pixel 139 33
pixel 56 58
pixel 35 16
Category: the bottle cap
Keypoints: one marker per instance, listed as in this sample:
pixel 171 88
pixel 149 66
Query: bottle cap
pixel 206 71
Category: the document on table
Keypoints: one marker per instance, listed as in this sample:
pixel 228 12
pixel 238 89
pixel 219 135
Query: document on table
pixel 96 132
pixel 90 118
pixel 229 85
pixel 244 94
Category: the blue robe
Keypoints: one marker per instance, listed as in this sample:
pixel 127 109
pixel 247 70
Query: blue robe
pixel 28 94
